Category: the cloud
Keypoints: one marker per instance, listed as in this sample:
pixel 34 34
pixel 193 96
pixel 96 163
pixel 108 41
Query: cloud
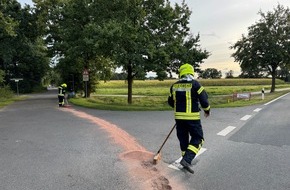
pixel 210 34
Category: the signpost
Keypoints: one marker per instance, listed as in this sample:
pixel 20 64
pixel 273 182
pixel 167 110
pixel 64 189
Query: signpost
pixel 263 93
pixel 86 79
pixel 17 80
pixel 242 95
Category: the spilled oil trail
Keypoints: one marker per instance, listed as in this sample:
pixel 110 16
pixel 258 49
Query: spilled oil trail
pixel 138 160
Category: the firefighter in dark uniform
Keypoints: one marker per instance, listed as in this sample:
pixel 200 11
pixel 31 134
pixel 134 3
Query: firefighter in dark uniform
pixel 185 96
pixel 61 94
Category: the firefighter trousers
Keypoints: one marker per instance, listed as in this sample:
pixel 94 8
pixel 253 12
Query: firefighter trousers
pixel 190 136
pixel 60 100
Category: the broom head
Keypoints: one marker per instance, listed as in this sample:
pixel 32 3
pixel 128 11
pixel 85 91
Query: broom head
pixel 156 158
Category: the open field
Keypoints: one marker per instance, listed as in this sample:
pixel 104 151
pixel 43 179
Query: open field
pixel 152 94
pixel 213 86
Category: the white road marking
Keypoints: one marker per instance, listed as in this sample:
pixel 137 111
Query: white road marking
pixel 226 131
pixel 176 165
pixel 246 117
pixel 258 109
pixel 202 150
pixel 275 99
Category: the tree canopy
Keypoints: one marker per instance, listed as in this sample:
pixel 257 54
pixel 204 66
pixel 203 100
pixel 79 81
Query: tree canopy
pixel 267 45
pixel 210 73
pixel 22 50
pixel 138 36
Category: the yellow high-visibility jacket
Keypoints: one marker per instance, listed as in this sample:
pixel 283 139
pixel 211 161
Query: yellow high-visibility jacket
pixel 61 91
pixel 185 97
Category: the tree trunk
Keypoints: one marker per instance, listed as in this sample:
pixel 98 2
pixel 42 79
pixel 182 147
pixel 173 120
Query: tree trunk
pixel 89 89
pixel 130 82
pixel 273 80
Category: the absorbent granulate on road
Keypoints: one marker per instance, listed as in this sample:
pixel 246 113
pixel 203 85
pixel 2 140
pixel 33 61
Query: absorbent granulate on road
pixel 138 160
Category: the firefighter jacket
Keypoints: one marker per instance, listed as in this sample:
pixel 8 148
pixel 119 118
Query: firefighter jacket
pixel 61 91
pixel 185 97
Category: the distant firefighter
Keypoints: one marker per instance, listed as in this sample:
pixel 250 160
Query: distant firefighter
pixel 61 94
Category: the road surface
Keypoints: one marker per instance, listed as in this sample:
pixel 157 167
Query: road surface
pixel 43 147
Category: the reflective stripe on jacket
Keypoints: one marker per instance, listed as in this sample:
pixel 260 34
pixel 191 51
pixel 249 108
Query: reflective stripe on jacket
pixel 61 91
pixel 185 96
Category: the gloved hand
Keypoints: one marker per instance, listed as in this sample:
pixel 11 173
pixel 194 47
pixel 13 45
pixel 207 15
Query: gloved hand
pixel 206 114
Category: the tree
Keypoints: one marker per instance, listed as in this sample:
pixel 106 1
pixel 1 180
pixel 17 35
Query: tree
pixel 283 72
pixel 52 78
pixel 71 28
pixel 2 74
pixel 210 73
pixel 252 70
pixel 138 36
pixel 267 44
pixel 5 90
pixel 22 51
pixel 151 36
pixel 7 25
pixel 119 76
pixel 161 75
pixel 230 74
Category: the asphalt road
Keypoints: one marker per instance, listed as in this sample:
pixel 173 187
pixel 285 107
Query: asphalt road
pixel 43 147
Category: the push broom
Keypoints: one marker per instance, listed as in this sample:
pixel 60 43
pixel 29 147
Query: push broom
pixel 158 154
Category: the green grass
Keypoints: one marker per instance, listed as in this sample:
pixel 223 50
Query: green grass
pixel 115 84
pixel 7 96
pixel 150 103
pixel 4 102
pixel 152 94
pixel 164 91
pixel 213 87
pixel 7 101
pixel 228 101
pixel 120 103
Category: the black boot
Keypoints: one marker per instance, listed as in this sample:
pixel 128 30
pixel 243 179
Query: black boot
pixel 186 166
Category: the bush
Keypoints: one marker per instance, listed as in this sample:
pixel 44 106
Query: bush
pixel 6 92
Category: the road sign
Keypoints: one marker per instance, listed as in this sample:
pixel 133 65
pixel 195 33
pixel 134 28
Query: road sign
pixel 85 75
pixel 86 79
pixel 17 80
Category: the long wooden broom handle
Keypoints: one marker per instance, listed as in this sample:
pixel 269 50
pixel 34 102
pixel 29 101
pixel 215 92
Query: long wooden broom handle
pixel 166 138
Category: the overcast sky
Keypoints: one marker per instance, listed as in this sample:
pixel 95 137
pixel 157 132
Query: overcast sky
pixel 221 23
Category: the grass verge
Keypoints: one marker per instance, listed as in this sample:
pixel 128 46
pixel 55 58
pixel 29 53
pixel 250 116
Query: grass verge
pixel 7 101
pixel 152 94
pixel 150 103
pixel 227 101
